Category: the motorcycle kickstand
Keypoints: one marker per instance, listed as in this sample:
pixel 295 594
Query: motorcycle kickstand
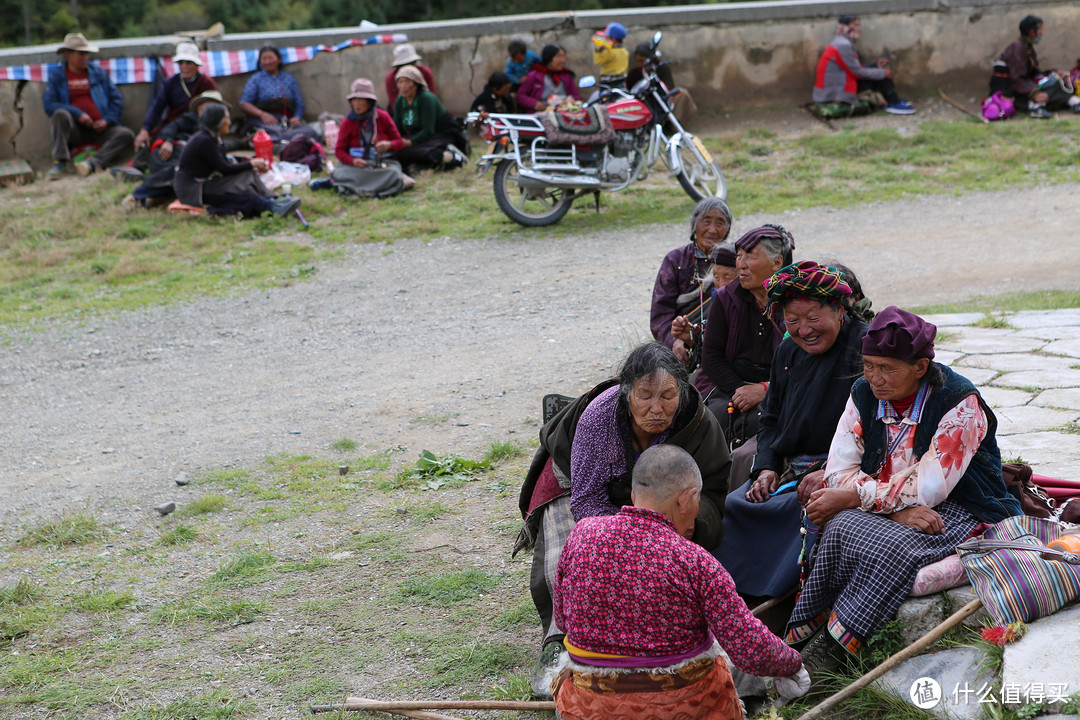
pixel 596 199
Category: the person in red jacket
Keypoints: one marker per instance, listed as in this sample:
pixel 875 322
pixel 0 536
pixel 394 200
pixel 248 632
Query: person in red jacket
pixel 367 135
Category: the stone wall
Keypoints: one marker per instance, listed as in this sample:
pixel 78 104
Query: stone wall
pixel 730 56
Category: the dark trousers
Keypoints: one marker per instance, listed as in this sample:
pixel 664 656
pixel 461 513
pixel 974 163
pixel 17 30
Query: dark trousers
pixel 236 204
pixel 65 131
pixel 884 86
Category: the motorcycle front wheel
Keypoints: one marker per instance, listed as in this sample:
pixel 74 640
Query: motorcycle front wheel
pixel 699 175
pixel 531 207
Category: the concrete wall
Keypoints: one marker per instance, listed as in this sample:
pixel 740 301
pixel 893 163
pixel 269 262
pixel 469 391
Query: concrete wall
pixel 730 56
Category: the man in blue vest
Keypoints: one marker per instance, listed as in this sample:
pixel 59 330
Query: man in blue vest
pixel 84 107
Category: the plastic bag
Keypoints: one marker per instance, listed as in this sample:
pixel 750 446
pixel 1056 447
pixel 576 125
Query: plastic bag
pixel 285 173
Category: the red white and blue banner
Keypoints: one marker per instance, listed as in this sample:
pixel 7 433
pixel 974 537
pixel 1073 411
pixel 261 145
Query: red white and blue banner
pixel 216 63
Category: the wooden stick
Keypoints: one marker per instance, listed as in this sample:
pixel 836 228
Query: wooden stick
pixel 911 650
pixel 418 714
pixel 963 109
pixel 771 603
pixel 358 703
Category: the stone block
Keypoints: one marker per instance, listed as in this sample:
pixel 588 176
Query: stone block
pixel 961 596
pixel 1047 657
pixel 1034 319
pixel 1040 449
pixel 980 377
pixel 1070 347
pixel 1017 420
pixel 974 340
pixel 952 670
pixel 1067 398
pixel 951 320
pixel 1039 378
pixel 919 615
pixel 1004 398
pixel 1015 362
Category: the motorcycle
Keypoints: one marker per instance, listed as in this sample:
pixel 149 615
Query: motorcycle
pixel 536 181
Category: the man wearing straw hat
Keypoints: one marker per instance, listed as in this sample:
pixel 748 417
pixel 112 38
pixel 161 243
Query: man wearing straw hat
pixel 83 106
pixel 173 99
pixel 406 55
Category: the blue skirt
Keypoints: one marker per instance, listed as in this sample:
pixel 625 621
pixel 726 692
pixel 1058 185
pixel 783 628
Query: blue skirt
pixel 762 542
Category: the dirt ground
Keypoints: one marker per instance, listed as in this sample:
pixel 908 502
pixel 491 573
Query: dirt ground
pixel 443 344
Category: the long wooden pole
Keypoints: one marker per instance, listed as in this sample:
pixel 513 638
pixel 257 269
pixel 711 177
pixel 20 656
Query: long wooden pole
pixel 911 650
pixel 353 704
pixel 963 109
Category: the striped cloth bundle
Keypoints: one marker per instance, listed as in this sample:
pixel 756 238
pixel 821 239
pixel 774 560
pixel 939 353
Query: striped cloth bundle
pixel 216 63
pixel 1010 574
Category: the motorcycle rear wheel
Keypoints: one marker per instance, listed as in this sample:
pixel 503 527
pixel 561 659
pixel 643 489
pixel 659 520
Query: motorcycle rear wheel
pixel 700 178
pixel 526 206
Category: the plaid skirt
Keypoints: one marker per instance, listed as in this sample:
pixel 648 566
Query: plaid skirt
pixel 863 570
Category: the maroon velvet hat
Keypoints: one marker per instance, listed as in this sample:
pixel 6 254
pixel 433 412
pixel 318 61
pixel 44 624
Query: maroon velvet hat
pixel 899 334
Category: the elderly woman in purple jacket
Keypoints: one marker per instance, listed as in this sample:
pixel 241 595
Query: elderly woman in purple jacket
pixel 688 269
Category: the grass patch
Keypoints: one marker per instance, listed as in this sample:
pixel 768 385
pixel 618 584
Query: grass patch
pixel 449 589
pixel 218 705
pixel 244 570
pixel 521 615
pixel 23 592
pixel 1012 302
pixel 502 450
pixel 179 535
pixel 68 529
pixel 995 322
pixel 477 659
pixel 217 609
pixel 343 445
pixel 103 601
pixel 210 503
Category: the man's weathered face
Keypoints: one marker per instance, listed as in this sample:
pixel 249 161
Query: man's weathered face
pixel 77 60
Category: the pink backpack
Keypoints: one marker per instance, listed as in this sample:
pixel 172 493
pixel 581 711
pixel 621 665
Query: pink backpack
pixel 998 107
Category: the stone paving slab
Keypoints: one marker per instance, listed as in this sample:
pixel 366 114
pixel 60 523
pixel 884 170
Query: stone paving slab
pixel 1070 347
pixel 1003 398
pixel 1044 379
pixel 1017 420
pixel 1060 398
pixel 947 357
pixel 1048 334
pixel 989 340
pixel 979 376
pixel 1051 453
pixel 1030 661
pixel 951 320
pixel 1064 317
pixel 1016 362
pixel 953 669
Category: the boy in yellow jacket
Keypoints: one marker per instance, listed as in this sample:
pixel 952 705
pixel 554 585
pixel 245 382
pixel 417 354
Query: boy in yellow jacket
pixel 609 55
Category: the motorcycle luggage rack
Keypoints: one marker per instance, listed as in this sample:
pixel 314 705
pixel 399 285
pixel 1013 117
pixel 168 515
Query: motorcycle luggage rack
pixel 553 157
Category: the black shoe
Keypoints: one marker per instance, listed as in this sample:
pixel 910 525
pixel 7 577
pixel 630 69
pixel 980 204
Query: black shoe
pixel 542 675
pixel 823 656
pixel 321 184
pixel 285 206
pixel 1040 113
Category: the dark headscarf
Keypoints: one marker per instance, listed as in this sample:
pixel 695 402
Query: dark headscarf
pixel 722 254
pixel 899 334
pixel 807 279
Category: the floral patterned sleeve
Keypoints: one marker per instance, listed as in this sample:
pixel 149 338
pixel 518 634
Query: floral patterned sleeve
pixel 927 482
pixel 842 470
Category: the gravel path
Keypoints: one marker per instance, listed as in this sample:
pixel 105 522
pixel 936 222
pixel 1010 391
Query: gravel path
pixel 446 345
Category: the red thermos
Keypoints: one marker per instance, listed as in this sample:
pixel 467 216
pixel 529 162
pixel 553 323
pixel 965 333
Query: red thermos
pixel 264 147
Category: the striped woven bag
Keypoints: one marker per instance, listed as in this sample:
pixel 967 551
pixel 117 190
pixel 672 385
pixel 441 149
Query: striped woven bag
pixel 1012 577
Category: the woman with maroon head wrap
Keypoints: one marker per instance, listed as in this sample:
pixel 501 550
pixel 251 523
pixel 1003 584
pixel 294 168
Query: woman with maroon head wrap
pixel 913 468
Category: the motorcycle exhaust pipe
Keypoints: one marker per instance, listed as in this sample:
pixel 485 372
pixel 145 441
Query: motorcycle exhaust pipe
pixel 538 180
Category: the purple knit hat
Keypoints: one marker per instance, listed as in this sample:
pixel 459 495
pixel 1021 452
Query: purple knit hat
pixel 899 334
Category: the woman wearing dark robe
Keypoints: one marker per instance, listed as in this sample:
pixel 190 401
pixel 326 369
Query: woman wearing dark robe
pixel 811 374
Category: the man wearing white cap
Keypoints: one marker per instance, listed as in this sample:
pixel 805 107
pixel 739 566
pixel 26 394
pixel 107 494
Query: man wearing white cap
pixel 172 100
pixel 406 55
pixel 84 107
